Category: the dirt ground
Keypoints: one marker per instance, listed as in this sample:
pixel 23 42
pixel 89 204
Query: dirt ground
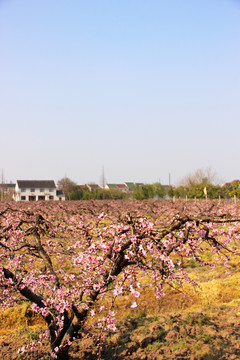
pixel 184 335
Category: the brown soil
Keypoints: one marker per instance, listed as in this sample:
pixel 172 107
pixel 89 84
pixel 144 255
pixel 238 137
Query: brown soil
pixel 194 336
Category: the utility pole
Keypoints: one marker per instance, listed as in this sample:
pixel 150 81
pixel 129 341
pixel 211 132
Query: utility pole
pixel 2 187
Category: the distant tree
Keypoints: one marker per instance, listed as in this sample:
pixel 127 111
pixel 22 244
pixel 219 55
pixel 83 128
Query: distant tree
pixel 216 191
pixel 200 176
pixel 196 191
pixel 170 191
pixel 180 192
pixel 79 193
pixel 148 191
pixel 233 188
pixel 142 192
pixel 67 186
pixel 158 190
pixel 109 194
pixel 84 193
pixel 137 193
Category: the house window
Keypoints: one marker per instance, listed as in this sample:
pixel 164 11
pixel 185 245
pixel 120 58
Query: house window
pixel 51 197
pixel 32 190
pixel 42 190
pixel 51 190
pixel 23 197
pixel 23 190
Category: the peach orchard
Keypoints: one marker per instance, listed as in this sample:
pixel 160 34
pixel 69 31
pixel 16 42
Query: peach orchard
pixel 64 258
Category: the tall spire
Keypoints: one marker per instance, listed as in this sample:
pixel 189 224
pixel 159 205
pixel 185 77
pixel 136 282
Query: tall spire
pixel 103 180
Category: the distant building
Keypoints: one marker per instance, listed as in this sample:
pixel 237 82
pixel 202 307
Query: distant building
pixel 121 187
pixel 110 186
pixel 130 185
pixel 35 190
pixel 93 187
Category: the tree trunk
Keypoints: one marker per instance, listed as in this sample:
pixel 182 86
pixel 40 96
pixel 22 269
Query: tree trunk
pixel 62 354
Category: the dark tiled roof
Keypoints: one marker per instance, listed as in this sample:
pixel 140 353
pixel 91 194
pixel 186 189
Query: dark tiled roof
pixel 7 186
pixel 37 184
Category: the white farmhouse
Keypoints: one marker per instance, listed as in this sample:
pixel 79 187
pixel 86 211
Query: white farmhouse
pixel 33 190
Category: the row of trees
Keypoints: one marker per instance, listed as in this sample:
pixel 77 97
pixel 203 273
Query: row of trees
pixel 204 183
pixel 194 191
pixel 73 191
pixel 211 191
pixel 191 190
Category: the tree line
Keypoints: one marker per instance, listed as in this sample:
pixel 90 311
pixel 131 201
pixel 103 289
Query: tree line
pixel 192 190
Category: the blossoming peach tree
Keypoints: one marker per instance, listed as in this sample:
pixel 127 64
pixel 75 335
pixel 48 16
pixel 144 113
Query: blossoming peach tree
pixel 64 258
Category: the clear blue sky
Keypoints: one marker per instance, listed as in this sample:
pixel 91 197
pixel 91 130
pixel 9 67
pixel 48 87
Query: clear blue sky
pixel 142 87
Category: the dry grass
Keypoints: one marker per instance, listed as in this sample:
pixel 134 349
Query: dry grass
pixel 15 318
